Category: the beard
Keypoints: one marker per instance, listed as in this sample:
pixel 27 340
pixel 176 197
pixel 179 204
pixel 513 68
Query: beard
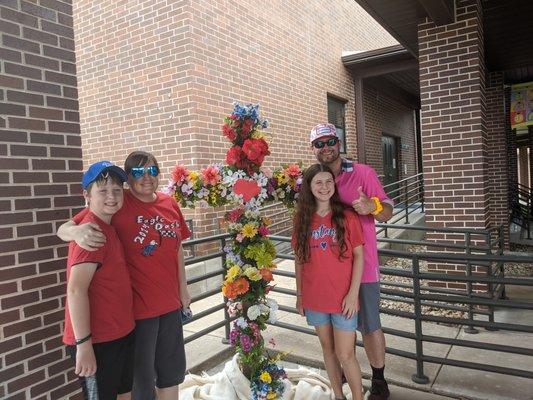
pixel 327 158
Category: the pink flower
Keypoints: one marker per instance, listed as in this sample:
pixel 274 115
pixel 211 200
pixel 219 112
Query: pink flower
pixel 211 175
pixel 263 230
pixel 179 173
pixel 293 170
pixel 267 171
pixel 239 238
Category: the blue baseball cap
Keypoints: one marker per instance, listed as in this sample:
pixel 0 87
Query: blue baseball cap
pixel 97 169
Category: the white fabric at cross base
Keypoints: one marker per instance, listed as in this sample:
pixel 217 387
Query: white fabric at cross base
pixel 231 384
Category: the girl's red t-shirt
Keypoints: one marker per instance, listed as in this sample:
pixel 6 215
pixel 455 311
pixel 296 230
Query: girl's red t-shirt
pixel 151 234
pixel 326 279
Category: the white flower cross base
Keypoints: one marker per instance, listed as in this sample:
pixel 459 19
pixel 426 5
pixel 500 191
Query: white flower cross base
pixel 231 384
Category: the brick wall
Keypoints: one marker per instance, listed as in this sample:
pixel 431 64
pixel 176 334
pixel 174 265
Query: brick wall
pixel 454 136
pixel 161 75
pixel 453 125
pixel 497 118
pixel 40 164
pixel 384 115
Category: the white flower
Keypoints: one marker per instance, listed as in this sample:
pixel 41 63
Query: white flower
pixel 253 312
pixel 203 204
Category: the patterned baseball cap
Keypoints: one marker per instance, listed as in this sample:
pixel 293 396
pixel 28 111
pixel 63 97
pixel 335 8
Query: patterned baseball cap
pixel 322 130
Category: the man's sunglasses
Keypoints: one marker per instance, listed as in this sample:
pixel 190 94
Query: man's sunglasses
pixel 138 172
pixel 332 141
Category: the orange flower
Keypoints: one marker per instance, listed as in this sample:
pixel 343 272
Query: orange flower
pixel 228 290
pixel 266 274
pixel 241 286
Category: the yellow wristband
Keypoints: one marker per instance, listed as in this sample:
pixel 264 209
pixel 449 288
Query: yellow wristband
pixel 379 206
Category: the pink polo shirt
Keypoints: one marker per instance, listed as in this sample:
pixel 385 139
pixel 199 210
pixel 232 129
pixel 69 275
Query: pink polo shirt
pixel 352 176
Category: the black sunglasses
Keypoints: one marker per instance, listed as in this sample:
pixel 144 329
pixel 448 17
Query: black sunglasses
pixel 332 141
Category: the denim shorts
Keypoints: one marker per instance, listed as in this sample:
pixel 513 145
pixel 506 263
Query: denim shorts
pixel 339 321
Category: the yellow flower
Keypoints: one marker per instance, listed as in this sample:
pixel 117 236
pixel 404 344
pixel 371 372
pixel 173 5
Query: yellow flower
pixel 257 134
pixel 253 274
pixel 249 230
pixel 193 176
pixel 271 395
pixel 233 273
pixel 265 377
pixel 282 178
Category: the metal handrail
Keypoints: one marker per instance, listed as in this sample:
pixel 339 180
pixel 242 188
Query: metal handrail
pixel 416 294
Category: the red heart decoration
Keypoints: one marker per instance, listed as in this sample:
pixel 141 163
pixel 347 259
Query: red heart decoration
pixel 248 189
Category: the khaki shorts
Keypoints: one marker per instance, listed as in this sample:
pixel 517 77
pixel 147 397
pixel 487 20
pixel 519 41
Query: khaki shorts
pixel 369 296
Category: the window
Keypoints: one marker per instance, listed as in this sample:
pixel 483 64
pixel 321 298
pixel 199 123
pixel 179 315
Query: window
pixel 336 117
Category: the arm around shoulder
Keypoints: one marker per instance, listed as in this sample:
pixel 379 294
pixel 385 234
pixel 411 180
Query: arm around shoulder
pixel 88 236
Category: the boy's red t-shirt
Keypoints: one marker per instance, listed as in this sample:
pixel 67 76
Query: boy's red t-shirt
pixel 151 234
pixel 326 279
pixel 110 294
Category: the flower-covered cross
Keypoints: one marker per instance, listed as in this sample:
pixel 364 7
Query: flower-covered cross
pixel 244 183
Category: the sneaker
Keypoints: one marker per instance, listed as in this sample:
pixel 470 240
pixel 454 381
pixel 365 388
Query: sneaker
pixel 379 390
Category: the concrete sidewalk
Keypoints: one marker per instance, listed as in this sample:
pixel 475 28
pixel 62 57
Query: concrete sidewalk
pixel 444 381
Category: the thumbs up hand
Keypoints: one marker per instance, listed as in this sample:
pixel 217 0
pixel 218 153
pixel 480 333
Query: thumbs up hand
pixel 363 205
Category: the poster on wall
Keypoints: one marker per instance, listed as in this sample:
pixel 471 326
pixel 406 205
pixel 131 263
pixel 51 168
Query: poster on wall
pixel 522 105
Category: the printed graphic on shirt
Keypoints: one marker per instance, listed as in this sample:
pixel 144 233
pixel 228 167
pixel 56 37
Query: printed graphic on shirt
pixel 320 236
pixel 164 229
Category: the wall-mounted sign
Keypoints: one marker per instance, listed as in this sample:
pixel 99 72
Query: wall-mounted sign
pixel 521 105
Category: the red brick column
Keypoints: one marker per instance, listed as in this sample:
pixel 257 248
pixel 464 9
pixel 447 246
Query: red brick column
pixel 497 151
pixel 40 164
pixel 453 125
pixel 454 134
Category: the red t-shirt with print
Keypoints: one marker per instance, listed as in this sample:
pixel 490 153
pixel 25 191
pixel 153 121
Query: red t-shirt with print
pixel 110 294
pixel 151 234
pixel 326 279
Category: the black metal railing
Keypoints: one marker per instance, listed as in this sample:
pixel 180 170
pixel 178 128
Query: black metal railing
pixel 477 248
pixel 421 295
pixel 521 206
pixel 408 197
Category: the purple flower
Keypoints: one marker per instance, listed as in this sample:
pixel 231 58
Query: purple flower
pixel 246 343
pixel 233 336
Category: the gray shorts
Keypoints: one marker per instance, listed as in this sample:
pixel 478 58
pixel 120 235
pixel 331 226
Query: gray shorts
pixel 159 354
pixel 369 296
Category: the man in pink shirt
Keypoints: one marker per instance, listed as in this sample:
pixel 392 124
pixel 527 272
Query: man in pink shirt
pixel 358 185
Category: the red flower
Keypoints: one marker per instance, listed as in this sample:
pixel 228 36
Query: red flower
pixel 228 132
pixel 247 126
pixel 234 215
pixel 234 155
pixel 179 173
pixel 255 150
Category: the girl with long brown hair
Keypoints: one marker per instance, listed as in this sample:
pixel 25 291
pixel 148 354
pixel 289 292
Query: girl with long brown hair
pixel 328 245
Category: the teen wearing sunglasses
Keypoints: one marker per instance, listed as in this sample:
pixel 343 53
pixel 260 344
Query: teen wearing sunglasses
pixel 358 186
pixel 151 228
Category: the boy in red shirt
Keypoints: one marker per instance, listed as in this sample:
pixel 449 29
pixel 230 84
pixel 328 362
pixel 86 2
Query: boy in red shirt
pixel 99 311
